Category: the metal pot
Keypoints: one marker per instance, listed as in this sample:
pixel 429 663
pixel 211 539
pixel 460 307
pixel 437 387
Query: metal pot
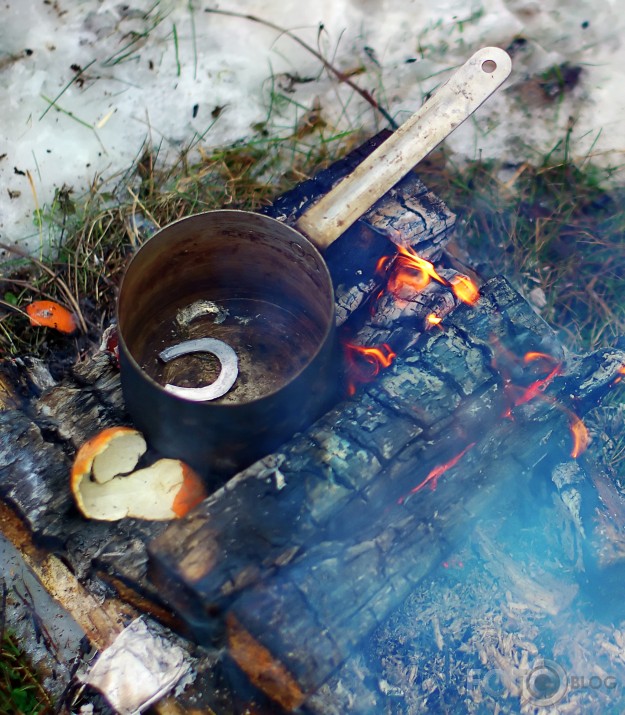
pixel 258 296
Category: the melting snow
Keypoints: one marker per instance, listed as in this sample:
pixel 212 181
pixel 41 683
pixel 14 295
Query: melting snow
pixel 87 83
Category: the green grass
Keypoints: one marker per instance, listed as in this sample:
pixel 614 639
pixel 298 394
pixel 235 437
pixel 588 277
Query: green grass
pixel 554 229
pixel 21 692
pixel 557 231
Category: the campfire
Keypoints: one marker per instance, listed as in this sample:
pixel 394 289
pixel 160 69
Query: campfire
pixel 329 576
pixel 443 419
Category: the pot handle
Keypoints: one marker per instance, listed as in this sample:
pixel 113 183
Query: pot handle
pixel 452 103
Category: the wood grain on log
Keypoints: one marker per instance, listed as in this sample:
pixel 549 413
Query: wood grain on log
pixel 46 422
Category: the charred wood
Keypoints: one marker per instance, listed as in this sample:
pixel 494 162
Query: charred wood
pixel 332 528
pixel 300 557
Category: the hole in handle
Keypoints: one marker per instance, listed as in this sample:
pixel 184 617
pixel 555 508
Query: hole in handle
pixel 489 66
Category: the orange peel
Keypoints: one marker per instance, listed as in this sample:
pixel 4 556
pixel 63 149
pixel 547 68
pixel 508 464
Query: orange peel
pixel 107 486
pixel 48 314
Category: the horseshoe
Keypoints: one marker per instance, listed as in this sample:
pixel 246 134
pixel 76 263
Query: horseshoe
pixel 226 378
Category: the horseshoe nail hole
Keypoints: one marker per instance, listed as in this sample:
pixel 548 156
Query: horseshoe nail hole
pixel 489 66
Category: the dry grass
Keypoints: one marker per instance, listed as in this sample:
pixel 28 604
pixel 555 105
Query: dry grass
pixel 553 229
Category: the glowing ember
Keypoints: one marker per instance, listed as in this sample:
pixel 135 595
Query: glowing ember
pixel 435 474
pixel 365 363
pixel 581 438
pixel 533 356
pixel 433 319
pixel 538 386
pixel 519 396
pixel 619 378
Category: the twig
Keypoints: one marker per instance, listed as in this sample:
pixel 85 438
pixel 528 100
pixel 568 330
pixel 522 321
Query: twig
pixel 341 76
pixel 81 658
pixel 28 285
pixel 39 626
pixel 10 306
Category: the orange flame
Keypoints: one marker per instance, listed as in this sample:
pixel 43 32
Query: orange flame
pixel 435 474
pixel 581 438
pixel 465 290
pixel 383 263
pixel 379 357
pixel 538 386
pixel 579 432
pixel 409 258
pixel 415 272
pixel 407 277
pixel 412 271
pixel 365 363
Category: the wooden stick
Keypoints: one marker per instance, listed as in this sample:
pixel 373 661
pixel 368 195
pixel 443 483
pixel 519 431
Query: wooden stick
pixel 455 101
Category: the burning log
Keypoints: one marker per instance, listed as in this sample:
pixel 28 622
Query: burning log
pixel 307 551
pixel 408 215
pixel 341 482
pixel 595 508
pixel 397 317
pixel 416 298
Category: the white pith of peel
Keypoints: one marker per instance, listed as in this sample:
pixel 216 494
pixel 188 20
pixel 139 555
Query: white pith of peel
pixel 105 487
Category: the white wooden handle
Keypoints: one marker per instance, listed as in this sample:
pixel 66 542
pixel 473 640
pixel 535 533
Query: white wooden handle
pixel 456 100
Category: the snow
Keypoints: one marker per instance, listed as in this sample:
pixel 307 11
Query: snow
pixel 126 74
